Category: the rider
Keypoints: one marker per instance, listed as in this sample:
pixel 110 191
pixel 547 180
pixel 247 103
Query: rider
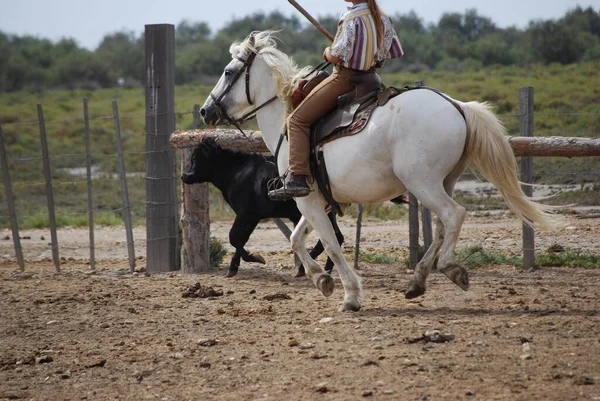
pixel 365 38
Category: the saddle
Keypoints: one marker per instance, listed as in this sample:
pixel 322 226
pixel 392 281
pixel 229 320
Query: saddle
pixel 350 117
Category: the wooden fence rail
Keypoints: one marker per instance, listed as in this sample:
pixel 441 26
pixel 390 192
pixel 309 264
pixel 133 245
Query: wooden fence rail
pixel 186 140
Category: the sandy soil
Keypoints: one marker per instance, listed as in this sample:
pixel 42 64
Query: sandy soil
pixel 106 336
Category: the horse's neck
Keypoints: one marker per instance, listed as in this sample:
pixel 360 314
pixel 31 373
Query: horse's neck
pixel 270 123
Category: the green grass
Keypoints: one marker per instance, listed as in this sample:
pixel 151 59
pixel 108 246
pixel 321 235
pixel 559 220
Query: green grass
pixel 384 211
pixel 477 256
pixel 380 258
pixel 567 103
pixel 217 252
pixel 43 221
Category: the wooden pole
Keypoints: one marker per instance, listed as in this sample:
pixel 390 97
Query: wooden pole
pixel 49 191
pixel 195 223
pixel 526 125
pixel 124 192
pixel 162 228
pixel 88 166
pixel 196 116
pixel 551 146
pixel 413 232
pixel 359 217
pixel 10 203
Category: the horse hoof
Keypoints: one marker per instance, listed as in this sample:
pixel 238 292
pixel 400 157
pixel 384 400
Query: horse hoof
pixel 350 306
pixel 325 284
pixel 459 276
pixel 414 290
pixel 231 273
pixel 258 259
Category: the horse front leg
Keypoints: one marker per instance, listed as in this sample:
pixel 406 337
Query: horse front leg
pixel 322 280
pixel 312 209
pixel 318 249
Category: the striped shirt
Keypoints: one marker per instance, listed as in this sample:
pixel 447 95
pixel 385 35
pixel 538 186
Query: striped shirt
pixel 355 42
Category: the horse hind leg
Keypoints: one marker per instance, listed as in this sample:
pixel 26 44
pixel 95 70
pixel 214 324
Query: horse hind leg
pixel 417 285
pixel 450 219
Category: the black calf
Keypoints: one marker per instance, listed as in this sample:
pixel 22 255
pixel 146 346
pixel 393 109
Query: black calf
pixel 242 179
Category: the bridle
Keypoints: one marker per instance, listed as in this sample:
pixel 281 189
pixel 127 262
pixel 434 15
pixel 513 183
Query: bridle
pixel 222 113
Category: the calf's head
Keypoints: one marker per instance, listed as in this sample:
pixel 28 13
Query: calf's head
pixel 200 163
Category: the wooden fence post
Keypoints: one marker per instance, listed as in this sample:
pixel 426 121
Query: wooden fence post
pixel 526 124
pixel 124 191
pixel 10 203
pixel 413 231
pixel 162 231
pixel 359 217
pixel 88 167
pixel 49 191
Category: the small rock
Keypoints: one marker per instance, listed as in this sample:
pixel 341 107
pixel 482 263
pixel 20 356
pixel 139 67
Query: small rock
pixel 388 392
pixel 293 342
pixel 252 292
pixel 584 381
pixel 526 357
pixel 469 393
pixel 307 346
pixel 207 342
pixel 43 359
pixel 205 365
pixel 104 326
pixel 65 375
pixel 277 296
pixel 322 388
pixel 51 322
pixel 97 363
pixel 326 320
pixel 367 393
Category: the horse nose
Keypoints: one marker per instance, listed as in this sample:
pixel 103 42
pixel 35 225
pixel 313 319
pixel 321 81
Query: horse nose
pixel 203 112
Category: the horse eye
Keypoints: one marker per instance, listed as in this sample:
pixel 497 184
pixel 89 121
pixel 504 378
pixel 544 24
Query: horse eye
pixel 228 73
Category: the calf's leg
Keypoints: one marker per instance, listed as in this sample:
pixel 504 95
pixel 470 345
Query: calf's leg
pixel 242 227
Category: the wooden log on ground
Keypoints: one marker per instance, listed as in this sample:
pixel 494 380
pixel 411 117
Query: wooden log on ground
pixel 522 146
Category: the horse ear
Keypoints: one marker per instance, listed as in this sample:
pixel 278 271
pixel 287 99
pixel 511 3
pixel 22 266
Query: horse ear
pixel 252 40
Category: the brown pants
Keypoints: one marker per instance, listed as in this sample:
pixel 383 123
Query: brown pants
pixel 317 104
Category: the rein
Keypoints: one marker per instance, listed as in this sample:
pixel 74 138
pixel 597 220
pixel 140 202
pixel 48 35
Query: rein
pixel 252 113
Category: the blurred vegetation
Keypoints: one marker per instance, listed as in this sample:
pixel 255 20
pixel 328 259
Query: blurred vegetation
pixel 464 55
pixel 457 42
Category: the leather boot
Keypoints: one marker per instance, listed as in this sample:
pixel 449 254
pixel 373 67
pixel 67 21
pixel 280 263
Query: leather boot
pixel 295 187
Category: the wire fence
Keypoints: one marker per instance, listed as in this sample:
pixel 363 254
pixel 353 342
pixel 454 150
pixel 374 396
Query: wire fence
pixel 67 161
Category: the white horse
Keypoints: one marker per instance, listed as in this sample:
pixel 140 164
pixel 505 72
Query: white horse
pixel 417 142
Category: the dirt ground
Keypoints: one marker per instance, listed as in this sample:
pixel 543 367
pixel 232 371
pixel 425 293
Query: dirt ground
pixel 115 336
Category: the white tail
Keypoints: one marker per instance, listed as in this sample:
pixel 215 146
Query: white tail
pixel 489 151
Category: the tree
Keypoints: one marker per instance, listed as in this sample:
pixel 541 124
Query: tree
pixel 124 52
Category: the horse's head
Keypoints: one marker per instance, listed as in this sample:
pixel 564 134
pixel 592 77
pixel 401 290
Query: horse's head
pixel 201 162
pixel 235 92
pixel 257 73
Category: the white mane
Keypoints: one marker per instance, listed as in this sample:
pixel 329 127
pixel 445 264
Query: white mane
pixel 287 73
